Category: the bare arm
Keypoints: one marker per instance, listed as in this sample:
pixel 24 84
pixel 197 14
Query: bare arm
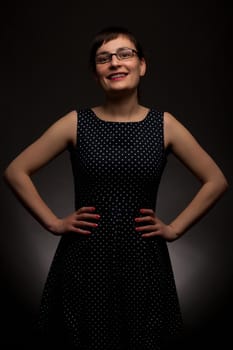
pixel 213 182
pixel 18 176
pixel 18 173
pixel 199 162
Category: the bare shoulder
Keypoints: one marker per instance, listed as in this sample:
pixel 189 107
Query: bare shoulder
pixel 177 136
pixel 69 118
pixel 187 148
pixel 50 144
pixel 170 120
pixel 172 126
pixel 66 126
pixel 59 135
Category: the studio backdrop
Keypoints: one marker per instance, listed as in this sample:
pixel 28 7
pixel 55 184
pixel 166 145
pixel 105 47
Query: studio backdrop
pixel 44 75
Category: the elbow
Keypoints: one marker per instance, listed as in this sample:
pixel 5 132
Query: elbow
pixel 15 176
pixel 11 174
pixel 217 186
pixel 223 185
pixel 8 174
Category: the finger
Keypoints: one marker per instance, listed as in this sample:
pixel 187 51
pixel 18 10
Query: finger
pixel 145 228
pixel 81 231
pixel 147 211
pixel 145 218
pixel 85 223
pixel 87 216
pixel 85 209
pixel 151 234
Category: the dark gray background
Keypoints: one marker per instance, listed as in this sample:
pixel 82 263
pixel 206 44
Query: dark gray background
pixel 44 74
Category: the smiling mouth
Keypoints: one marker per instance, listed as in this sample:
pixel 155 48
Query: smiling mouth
pixel 117 76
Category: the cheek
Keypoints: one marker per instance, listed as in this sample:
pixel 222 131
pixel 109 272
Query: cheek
pixel 137 69
pixel 137 73
pixel 100 71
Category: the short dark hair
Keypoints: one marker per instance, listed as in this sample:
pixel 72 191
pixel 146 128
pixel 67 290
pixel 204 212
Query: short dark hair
pixel 110 33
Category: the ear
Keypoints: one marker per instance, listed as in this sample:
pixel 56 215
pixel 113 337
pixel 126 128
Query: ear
pixel 142 67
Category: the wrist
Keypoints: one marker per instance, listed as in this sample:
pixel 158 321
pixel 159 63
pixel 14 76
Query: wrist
pixel 176 232
pixel 54 225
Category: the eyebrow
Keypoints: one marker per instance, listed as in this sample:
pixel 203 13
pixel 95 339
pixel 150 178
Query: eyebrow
pixel 99 53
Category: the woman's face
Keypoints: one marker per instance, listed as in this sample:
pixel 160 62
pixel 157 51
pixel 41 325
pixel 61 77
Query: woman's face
pixel 119 75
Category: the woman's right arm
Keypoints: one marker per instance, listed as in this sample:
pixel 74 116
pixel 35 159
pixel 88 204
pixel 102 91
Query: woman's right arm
pixel 18 176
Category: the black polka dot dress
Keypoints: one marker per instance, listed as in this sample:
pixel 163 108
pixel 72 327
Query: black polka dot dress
pixel 113 289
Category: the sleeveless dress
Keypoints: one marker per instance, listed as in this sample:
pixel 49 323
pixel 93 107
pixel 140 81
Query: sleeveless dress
pixel 113 289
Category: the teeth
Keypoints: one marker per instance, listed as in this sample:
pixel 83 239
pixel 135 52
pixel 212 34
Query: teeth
pixel 117 75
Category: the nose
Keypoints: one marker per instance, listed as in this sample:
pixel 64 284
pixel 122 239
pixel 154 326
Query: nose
pixel 114 59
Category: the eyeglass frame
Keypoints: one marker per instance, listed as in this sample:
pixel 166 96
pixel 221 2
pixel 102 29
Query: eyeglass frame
pixel 116 54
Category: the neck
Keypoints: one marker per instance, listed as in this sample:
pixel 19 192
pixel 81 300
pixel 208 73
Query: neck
pixel 121 107
pixel 123 111
pixel 133 113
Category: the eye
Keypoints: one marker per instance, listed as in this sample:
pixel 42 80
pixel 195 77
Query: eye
pixel 125 53
pixel 102 58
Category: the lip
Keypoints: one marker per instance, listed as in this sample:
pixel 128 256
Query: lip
pixel 117 76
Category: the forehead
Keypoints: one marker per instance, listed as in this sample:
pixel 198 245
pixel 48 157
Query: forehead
pixel 114 44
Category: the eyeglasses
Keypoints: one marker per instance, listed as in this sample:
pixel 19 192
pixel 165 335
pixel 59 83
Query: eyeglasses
pixel 122 53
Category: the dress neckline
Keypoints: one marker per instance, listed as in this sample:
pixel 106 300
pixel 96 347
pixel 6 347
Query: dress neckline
pixel 121 122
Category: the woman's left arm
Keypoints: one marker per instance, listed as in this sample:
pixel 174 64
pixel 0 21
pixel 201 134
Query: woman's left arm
pixel 213 183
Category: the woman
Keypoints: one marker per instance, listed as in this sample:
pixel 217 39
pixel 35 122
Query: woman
pixel 111 284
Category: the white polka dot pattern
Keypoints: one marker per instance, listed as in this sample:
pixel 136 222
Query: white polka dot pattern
pixel 114 289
